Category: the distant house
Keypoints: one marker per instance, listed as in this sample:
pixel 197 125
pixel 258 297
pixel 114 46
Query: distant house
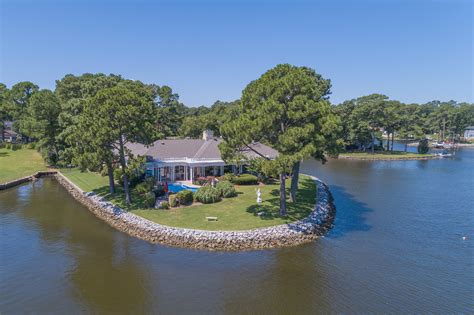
pixel 187 159
pixel 10 136
pixel 469 133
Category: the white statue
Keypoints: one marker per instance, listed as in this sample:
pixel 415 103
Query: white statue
pixel 259 196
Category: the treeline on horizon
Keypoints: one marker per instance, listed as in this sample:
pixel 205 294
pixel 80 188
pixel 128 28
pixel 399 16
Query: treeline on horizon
pixel 51 119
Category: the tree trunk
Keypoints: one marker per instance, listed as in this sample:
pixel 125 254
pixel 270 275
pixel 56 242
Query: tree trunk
pixel 393 137
pixel 373 141
pixel 110 171
pixel 282 195
pixel 128 199
pixel 388 141
pixel 294 181
pixel 406 145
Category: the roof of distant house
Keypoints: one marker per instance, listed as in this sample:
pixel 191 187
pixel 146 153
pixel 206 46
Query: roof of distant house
pixel 197 149
pixel 10 133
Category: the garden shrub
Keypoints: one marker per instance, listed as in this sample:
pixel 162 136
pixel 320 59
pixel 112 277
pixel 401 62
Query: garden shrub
pixel 265 179
pixel 245 179
pixel 207 194
pixel 142 188
pixel 173 202
pixel 2 145
pixel 8 146
pixel 118 176
pixel 134 177
pixel 150 199
pixel 31 145
pixel 185 197
pixel 15 147
pixel 164 205
pixel 226 189
pixel 203 181
pixel 159 191
pixel 227 177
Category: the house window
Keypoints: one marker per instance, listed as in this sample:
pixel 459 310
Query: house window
pixel 165 173
pixel 179 172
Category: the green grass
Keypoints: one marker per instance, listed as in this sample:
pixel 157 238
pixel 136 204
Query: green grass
pixel 384 155
pixel 239 213
pixel 87 181
pixel 90 181
pixel 19 163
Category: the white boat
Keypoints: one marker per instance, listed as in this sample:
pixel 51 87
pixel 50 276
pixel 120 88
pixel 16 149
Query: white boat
pixel 444 154
pixel 442 145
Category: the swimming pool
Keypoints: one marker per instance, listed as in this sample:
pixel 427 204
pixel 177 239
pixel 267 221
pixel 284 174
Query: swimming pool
pixel 176 187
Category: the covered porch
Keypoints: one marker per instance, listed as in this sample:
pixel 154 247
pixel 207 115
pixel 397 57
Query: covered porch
pixel 167 172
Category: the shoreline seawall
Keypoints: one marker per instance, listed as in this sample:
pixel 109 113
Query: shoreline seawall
pixel 306 230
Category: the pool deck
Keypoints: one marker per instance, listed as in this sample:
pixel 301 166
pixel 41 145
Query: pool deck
pixel 187 183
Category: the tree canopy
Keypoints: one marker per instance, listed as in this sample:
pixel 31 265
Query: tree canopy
pixel 115 116
pixel 288 109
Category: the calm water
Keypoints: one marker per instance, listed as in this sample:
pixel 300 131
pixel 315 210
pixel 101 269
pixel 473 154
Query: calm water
pixel 396 247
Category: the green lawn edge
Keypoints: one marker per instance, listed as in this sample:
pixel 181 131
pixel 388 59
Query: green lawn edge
pixel 234 214
pixel 16 164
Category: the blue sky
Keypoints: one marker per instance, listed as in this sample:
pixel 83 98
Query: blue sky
pixel 414 51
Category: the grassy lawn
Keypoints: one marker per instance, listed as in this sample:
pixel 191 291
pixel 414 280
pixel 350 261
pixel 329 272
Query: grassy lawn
pixel 90 181
pixel 87 181
pixel 19 163
pixel 239 213
pixel 384 155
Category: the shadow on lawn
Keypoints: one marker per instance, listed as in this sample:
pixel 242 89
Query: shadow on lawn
pixel 119 198
pixel 2 154
pixel 295 211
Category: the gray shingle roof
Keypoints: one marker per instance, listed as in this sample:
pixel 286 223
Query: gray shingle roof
pixel 191 148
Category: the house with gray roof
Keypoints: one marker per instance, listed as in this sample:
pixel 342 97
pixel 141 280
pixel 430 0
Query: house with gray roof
pixel 469 133
pixel 187 159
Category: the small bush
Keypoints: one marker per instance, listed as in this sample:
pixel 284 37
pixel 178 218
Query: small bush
pixel 118 176
pixel 159 191
pixel 185 197
pixel 265 179
pixel 226 189
pixel 245 179
pixel 164 205
pixel 31 145
pixel 423 146
pixel 207 194
pixel 8 146
pixel 150 199
pixel 2 145
pixel 15 147
pixel 142 188
pixel 203 181
pixel 173 202
pixel 104 171
pixel 227 177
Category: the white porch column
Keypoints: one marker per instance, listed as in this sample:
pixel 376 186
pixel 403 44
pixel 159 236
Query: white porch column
pixel 191 171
